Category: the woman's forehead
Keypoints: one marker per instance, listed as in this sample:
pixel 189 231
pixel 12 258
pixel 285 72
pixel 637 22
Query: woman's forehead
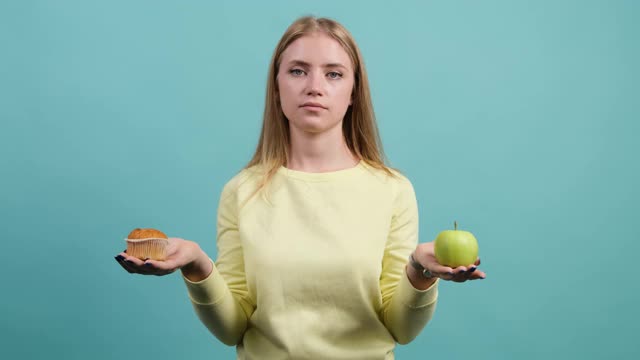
pixel 316 50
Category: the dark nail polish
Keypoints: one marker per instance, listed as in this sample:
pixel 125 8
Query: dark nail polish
pixel 125 251
pixel 471 269
pixel 147 264
pixel 119 258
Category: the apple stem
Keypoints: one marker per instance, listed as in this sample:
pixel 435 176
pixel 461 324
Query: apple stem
pixel 455 225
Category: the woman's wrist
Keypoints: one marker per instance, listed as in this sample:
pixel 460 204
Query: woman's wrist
pixel 198 269
pixel 417 279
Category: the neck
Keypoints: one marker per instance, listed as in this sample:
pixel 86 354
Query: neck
pixel 320 152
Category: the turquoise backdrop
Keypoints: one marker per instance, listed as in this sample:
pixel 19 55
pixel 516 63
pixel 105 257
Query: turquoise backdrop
pixel 518 119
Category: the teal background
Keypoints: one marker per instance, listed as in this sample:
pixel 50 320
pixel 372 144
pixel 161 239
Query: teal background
pixel 518 119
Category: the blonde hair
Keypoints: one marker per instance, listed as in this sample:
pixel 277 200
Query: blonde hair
pixel 359 124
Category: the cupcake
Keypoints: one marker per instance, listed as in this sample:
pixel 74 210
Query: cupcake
pixel 147 244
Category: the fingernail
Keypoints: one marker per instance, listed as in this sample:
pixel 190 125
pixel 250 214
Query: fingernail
pixel 147 264
pixel 125 251
pixel 119 257
pixel 471 269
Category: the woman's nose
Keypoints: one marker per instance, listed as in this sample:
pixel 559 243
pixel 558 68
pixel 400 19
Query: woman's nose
pixel 315 84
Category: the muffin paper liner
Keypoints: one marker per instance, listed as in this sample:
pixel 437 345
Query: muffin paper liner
pixel 154 248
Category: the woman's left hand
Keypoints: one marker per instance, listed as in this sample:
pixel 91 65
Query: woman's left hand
pixel 425 255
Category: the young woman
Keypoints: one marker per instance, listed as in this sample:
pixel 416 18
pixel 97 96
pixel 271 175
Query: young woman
pixel 318 254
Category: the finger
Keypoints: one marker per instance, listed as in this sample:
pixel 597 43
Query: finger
pixel 120 261
pixel 470 270
pixel 460 274
pixel 122 264
pixel 464 273
pixel 460 270
pixel 159 268
pixel 136 264
pixel 440 269
pixel 133 260
pixel 162 266
pixel 445 276
pixel 477 275
pixel 173 245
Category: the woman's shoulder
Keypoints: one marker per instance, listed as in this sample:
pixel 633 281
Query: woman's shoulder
pixel 387 174
pixel 242 178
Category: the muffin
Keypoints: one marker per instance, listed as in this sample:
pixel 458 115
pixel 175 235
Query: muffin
pixel 147 244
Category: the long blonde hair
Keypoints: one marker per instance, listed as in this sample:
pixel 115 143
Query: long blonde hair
pixel 359 124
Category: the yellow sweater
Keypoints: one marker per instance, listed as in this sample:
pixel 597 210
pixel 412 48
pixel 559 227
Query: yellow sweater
pixel 318 272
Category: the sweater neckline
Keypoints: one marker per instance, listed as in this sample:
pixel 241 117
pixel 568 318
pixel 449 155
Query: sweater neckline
pixel 321 176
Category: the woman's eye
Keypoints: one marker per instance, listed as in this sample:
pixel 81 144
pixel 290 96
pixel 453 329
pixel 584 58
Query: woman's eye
pixel 296 72
pixel 334 75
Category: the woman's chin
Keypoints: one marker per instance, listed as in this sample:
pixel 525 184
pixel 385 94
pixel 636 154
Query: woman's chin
pixel 314 125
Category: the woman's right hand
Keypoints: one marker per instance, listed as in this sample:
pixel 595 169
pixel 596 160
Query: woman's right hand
pixel 181 254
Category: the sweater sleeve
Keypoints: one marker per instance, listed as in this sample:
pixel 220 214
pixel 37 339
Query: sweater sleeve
pixel 406 310
pixel 221 301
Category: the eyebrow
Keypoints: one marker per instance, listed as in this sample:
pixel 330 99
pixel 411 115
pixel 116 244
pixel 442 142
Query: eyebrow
pixel 306 64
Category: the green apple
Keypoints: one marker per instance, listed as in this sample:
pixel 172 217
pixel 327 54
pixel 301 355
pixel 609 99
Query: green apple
pixel 455 248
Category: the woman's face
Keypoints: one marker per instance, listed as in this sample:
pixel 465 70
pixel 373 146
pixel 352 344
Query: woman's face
pixel 315 82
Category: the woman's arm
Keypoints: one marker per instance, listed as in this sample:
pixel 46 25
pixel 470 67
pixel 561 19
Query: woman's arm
pixel 417 280
pixel 199 269
pixel 408 301
pixel 218 291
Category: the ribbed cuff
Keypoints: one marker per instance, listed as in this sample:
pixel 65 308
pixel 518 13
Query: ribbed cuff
pixel 209 290
pixel 413 297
